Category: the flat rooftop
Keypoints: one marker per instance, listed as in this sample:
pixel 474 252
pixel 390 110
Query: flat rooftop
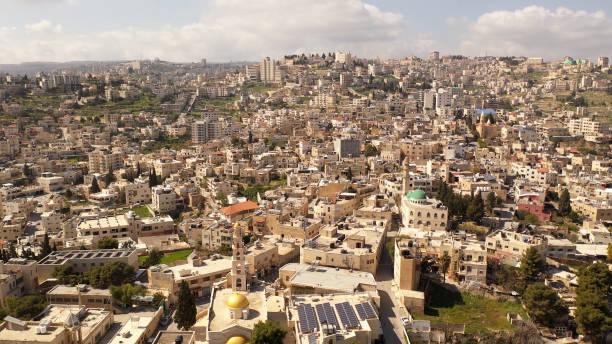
pixel 132 330
pixel 61 257
pixel 328 277
pixel 219 317
pixel 70 290
pixel 209 266
pixel 168 337
pixel 104 222
pixel 371 234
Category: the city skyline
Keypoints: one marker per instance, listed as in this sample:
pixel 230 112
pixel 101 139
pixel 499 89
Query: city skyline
pixel 72 30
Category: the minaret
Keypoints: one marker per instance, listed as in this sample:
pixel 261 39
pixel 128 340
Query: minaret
pixel 406 176
pixel 239 268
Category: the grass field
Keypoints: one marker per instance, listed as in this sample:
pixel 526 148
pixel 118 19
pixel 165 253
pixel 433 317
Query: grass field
pixel 174 256
pixel 142 211
pixel 479 314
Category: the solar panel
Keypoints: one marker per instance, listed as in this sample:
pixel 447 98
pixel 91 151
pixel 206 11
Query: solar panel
pixel 307 318
pixel 326 314
pixel 347 315
pixel 312 339
pixel 365 311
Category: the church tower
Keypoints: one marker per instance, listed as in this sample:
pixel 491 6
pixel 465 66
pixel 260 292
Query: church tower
pixel 239 268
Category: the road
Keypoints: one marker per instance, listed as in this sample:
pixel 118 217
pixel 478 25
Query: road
pixel 390 308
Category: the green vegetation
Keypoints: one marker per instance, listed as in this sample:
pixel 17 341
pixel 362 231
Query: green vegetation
pixel 154 258
pixel 268 332
pixel 592 314
pixel 532 264
pixel 174 256
pixel 544 304
pixel 108 243
pixel 185 315
pixel 125 292
pixel 260 88
pixel 25 307
pixel 169 142
pixel 390 245
pixel 116 273
pixel 526 217
pixel 142 211
pixel 145 102
pixel 479 314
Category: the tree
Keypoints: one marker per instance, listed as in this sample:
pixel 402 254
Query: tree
pixel 25 307
pixel 66 275
pixel 592 314
pixel 268 332
pixel 159 299
pixel 532 264
pixel 349 174
pixel 116 273
pixel 125 292
pixel 370 151
pixel 544 304
pixel 564 203
pixel 491 202
pixel 185 315
pixel 46 247
pixel 68 193
pixel 109 177
pixel 444 264
pixel 108 243
pixel 154 258
pixel 153 178
pixel 609 253
pixel 94 188
pixel 475 210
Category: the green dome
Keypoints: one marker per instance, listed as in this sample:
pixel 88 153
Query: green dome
pixel 416 194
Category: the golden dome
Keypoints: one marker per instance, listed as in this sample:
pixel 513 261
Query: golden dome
pixel 237 301
pixel 237 340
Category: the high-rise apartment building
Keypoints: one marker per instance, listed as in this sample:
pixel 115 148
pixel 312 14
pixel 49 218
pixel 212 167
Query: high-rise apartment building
pixel 270 72
pixel 103 161
pixel 603 61
pixel 343 57
pixel 204 131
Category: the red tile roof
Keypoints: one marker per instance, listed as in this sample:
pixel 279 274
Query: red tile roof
pixel 240 207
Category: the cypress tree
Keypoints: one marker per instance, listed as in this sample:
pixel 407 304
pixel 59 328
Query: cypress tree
pixel 564 203
pixel 94 188
pixel 185 315
pixel 475 211
pixel 532 264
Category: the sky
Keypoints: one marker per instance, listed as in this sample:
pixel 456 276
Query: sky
pixel 238 30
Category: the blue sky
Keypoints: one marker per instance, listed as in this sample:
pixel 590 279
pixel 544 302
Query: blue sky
pixel 223 30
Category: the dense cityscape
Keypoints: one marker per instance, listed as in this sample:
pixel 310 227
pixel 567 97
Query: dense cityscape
pixel 310 198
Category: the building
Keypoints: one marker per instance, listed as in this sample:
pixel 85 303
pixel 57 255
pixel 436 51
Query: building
pixel 586 126
pixel 603 61
pixel 138 329
pixel 434 56
pixel 270 71
pixel 200 274
pixel 26 270
pixel 339 319
pixel 103 161
pixel 407 274
pixel 350 245
pixel 59 324
pixel 347 148
pixel 508 246
pixel 50 182
pixel 123 226
pixel 345 58
pixel 84 260
pixel 81 295
pixel 597 211
pixel 205 130
pixel 240 211
pixel 138 192
pixel 317 279
pixel 420 212
pixel 164 200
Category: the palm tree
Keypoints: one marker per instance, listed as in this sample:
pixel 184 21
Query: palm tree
pixel 444 264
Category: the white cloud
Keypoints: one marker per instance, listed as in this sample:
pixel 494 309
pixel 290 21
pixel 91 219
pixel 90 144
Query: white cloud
pixel 537 31
pixel 238 30
pixel 44 26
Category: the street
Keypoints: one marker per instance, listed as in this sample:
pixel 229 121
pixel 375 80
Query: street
pixel 390 310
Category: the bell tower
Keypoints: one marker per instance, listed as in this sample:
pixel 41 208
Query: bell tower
pixel 239 268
